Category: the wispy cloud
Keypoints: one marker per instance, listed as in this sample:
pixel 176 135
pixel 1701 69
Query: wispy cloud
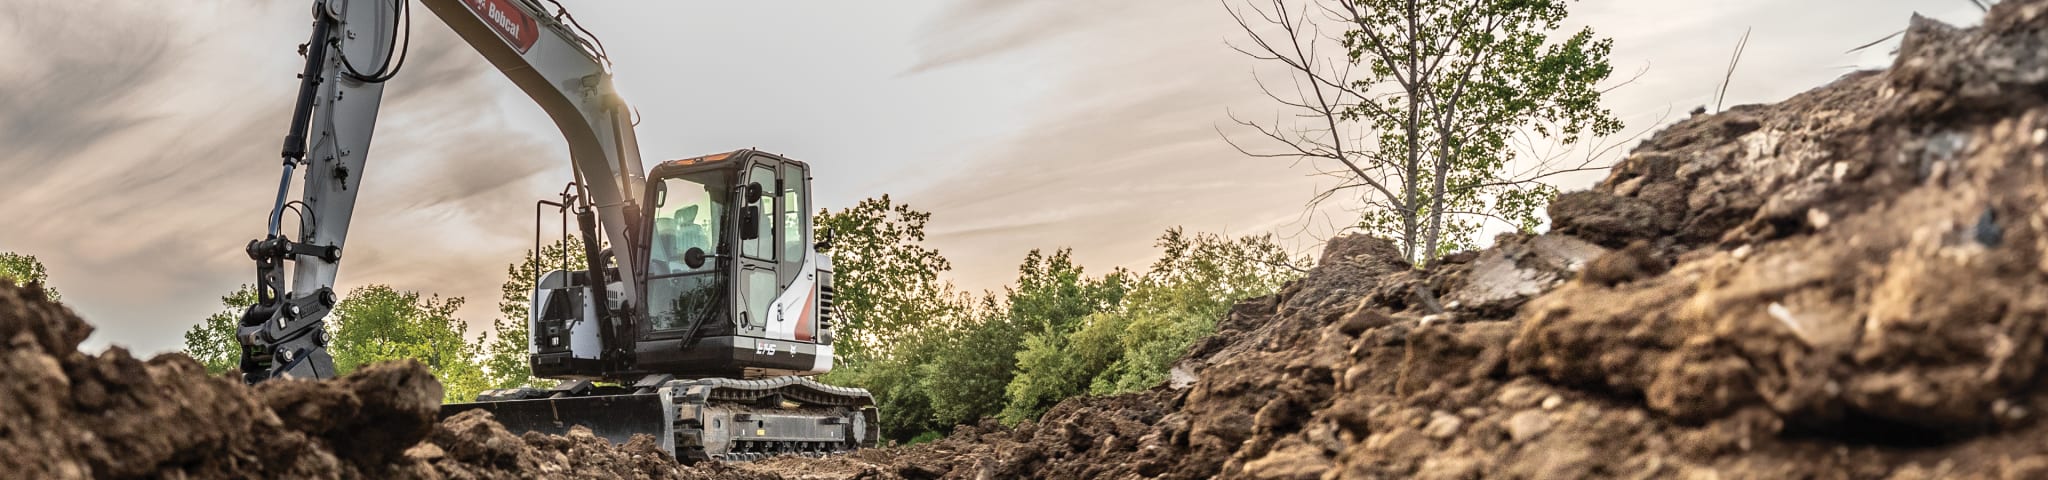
pixel 974 30
pixel 70 93
pixel 1123 146
pixel 139 162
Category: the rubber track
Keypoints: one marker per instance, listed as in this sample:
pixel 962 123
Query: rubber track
pixel 800 389
pixel 803 390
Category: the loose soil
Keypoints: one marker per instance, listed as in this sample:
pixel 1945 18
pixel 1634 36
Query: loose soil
pixel 1852 283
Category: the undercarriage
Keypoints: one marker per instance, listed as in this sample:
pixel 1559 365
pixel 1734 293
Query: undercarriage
pixel 697 419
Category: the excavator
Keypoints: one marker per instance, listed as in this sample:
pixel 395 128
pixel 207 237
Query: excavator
pixel 706 303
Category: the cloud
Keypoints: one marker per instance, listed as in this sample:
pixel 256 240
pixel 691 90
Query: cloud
pixel 68 96
pixel 1122 146
pixel 139 163
pixel 460 157
pixel 973 30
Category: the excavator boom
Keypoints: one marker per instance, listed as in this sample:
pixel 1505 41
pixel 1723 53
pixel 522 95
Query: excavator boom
pixel 336 113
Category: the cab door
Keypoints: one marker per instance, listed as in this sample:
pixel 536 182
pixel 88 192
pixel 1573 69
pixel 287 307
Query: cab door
pixel 758 260
pixel 795 310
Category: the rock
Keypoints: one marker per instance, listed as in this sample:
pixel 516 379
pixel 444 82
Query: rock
pixel 1517 268
pixel 1623 266
pixel 1528 424
pixel 1609 220
pixel 1519 395
pixel 1450 467
pixel 1297 462
pixel 425 452
pixel 1442 425
pixel 2033 466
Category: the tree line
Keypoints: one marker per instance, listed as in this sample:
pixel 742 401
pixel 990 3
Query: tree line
pixel 935 356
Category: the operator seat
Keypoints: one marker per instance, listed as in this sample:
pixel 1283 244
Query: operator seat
pixel 692 234
pixel 664 255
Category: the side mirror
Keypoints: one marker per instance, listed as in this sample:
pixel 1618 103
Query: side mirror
pixel 824 240
pixel 754 193
pixel 694 258
pixel 750 221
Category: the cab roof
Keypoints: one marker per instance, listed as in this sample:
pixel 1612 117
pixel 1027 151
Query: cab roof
pixel 706 159
pixel 723 158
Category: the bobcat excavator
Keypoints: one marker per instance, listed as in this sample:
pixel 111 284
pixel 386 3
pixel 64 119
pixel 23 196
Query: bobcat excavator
pixel 706 304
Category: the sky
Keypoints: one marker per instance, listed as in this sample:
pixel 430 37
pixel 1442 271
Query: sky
pixel 138 140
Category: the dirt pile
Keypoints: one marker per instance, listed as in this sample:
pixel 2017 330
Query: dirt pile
pixel 68 414
pixel 1852 283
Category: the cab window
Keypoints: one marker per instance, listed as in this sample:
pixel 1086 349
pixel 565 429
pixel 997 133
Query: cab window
pixel 763 247
pixel 795 224
pixel 689 213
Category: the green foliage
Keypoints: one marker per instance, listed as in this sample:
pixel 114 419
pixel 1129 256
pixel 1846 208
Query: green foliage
pixel 24 270
pixel 969 370
pixel 935 358
pixel 925 437
pixel 212 342
pixel 885 281
pixel 1131 345
pixel 377 323
pixel 1052 299
pixel 906 410
pixel 1052 295
pixel 1055 367
pixel 1457 103
pixel 894 314
pixel 1473 75
pixel 504 349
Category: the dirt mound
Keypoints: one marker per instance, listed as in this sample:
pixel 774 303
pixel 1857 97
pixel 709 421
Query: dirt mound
pixel 67 414
pixel 1852 283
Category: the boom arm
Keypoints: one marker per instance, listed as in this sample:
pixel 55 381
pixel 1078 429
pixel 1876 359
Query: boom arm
pixel 567 75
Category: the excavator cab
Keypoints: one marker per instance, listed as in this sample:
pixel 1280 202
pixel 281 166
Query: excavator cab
pixel 735 287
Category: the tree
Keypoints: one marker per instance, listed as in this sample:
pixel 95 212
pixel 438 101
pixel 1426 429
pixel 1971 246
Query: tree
pixel 504 349
pixel 1444 90
pixel 1053 294
pixel 885 281
pixel 903 381
pixel 968 371
pixel 1053 297
pixel 377 323
pixel 893 314
pixel 1050 368
pixel 26 270
pixel 212 341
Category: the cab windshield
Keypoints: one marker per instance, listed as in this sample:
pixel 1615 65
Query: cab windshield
pixel 689 212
